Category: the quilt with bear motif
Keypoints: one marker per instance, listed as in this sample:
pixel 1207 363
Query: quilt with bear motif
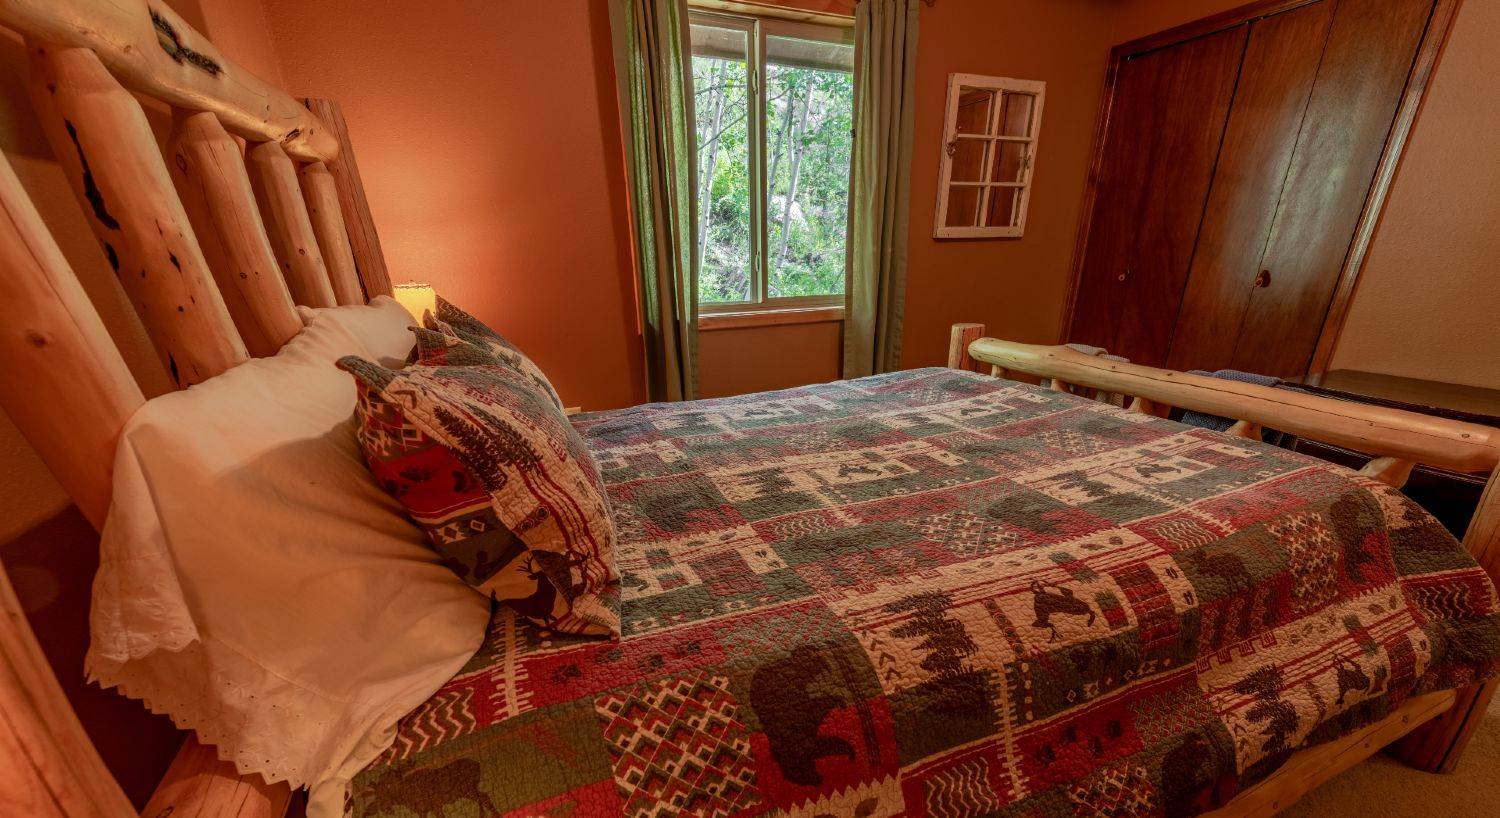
pixel 934 593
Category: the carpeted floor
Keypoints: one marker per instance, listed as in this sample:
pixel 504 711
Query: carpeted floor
pixel 1382 788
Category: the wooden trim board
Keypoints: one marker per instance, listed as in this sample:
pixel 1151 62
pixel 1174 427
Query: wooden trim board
pixel 710 321
pixel 763 8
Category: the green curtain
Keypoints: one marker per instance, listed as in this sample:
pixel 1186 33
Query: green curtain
pixel 653 65
pixel 880 190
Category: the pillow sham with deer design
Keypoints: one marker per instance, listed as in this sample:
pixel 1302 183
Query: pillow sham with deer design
pixel 503 486
pixel 454 322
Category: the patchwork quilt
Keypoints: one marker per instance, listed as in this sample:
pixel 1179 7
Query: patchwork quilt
pixel 934 593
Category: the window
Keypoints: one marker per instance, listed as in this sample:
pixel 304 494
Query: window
pixel 774 102
pixel 989 147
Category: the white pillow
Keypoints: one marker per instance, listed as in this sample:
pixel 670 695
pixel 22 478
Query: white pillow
pixel 257 586
pixel 383 326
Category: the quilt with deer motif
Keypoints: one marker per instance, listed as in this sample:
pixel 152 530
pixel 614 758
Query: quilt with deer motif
pixel 934 593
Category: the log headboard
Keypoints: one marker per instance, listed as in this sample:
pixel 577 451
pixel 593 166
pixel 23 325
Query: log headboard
pixel 255 207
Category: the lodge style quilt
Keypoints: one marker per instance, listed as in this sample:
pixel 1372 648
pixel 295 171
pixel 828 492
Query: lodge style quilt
pixel 934 593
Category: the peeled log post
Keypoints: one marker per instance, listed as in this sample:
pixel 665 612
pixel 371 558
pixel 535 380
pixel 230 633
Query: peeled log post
pixel 208 168
pixel 363 239
pixel 57 355
pixel 959 338
pixel 105 146
pixel 1392 471
pixel 321 195
pixel 198 785
pixel 274 179
pixel 1244 429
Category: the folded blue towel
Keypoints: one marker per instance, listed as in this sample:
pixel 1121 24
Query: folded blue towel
pixel 1206 421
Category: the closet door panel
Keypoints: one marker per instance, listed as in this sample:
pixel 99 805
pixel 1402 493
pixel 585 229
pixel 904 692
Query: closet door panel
pixel 1167 120
pixel 1371 46
pixel 1276 79
pixel 1121 177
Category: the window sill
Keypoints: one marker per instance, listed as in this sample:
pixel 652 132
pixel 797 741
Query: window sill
pixel 708 322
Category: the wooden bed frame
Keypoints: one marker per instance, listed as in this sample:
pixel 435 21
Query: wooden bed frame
pixel 216 242
pixel 1428 732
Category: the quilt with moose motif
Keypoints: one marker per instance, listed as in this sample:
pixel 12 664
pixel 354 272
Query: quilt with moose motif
pixel 934 593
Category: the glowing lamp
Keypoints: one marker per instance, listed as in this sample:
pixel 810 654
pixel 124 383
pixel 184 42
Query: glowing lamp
pixel 416 298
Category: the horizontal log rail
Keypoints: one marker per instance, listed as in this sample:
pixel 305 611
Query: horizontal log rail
pixel 153 51
pixel 1376 430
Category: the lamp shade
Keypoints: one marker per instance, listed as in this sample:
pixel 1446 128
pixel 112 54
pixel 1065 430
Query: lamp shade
pixel 416 298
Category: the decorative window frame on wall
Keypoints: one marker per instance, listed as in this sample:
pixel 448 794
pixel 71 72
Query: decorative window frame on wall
pixel 1002 127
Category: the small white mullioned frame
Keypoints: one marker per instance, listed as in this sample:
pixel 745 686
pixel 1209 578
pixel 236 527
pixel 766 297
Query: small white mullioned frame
pixel 1002 126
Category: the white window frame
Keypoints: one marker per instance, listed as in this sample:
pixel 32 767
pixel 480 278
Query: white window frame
pixel 757 30
pixel 956 82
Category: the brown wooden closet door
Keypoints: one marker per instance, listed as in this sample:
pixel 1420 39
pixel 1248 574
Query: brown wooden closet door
pixel 1276 79
pixel 1167 119
pixel 1359 86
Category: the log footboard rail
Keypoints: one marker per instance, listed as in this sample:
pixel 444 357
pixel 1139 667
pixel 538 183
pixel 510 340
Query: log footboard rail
pixel 1429 732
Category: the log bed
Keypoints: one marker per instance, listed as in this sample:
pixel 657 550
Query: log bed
pixel 1428 732
pixel 214 245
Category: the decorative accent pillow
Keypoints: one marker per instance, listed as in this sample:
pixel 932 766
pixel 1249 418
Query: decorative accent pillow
pixel 504 487
pixel 257 585
pixel 437 348
pixel 450 320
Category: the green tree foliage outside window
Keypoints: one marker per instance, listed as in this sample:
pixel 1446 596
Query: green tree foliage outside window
pixel 806 144
pixel 809 141
pixel 722 99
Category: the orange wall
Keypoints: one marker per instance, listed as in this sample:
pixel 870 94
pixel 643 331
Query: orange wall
pixel 1016 287
pixel 241 30
pixel 1427 304
pixel 759 359
pixel 488 137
